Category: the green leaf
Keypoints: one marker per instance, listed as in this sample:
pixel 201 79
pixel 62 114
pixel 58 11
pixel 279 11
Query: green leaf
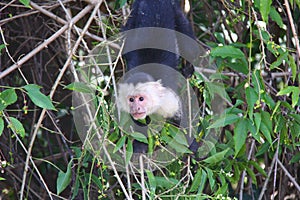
pixel 211 178
pixel 252 175
pixel 129 151
pixel 275 16
pixel 97 181
pixel 258 168
pixel 16 126
pixel 216 157
pixel 293 66
pixel 178 135
pixel 295 93
pixel 38 98
pixel 227 51
pixel 120 143
pixel 257 122
pixel 295 96
pixel 119 4
pixel 295 158
pixel 217 88
pixel 79 87
pixel 139 137
pixel 151 181
pixel 240 135
pixel 196 181
pixel 239 65
pixel 2 46
pixel 174 144
pixel 265 7
pixel 224 120
pixel 166 183
pixel 266 126
pixel 7 97
pixel 1 126
pixel 25 3
pixel 279 60
pixel 63 179
pixel 286 90
pixel 251 98
pixel 199 181
pixel 2 179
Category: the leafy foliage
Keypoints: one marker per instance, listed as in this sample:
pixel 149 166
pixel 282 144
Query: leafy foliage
pixel 256 75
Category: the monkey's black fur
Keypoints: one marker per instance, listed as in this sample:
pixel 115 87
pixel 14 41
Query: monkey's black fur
pixel 164 14
pixel 159 14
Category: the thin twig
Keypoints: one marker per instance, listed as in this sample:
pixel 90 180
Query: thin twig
pixel 264 188
pixel 244 172
pixel 295 35
pixel 292 179
pixel 23 60
pixel 142 178
pixel 45 43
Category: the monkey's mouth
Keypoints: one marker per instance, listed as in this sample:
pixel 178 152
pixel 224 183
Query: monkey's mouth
pixel 140 115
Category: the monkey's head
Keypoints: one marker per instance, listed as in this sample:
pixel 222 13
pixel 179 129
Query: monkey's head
pixel 140 100
pixel 138 105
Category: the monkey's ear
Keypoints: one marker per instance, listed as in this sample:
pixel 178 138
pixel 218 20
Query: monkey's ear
pixel 158 84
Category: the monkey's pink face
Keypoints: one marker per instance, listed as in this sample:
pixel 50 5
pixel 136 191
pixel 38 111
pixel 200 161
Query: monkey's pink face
pixel 138 106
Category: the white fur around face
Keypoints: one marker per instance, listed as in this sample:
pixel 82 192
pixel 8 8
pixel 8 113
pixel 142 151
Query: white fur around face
pixel 161 100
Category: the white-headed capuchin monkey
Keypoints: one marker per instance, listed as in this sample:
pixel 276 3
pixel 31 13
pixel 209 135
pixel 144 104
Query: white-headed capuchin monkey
pixel 148 98
pixel 139 96
pixel 142 95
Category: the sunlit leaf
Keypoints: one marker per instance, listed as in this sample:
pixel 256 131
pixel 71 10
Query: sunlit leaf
pixel 1 126
pixel 295 93
pixel 25 3
pixel 79 87
pixel 7 97
pixel 227 51
pixel 279 60
pixel 38 98
pixel 16 126
pixel 265 7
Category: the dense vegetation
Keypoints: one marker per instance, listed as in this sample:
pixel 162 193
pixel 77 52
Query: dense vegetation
pixel 251 66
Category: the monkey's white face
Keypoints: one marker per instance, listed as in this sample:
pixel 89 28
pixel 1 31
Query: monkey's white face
pixel 138 106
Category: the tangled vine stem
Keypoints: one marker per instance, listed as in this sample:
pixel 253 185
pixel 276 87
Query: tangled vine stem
pixel 67 63
pixel 295 35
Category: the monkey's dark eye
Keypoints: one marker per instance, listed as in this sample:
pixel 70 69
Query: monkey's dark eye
pixel 141 98
pixel 131 99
